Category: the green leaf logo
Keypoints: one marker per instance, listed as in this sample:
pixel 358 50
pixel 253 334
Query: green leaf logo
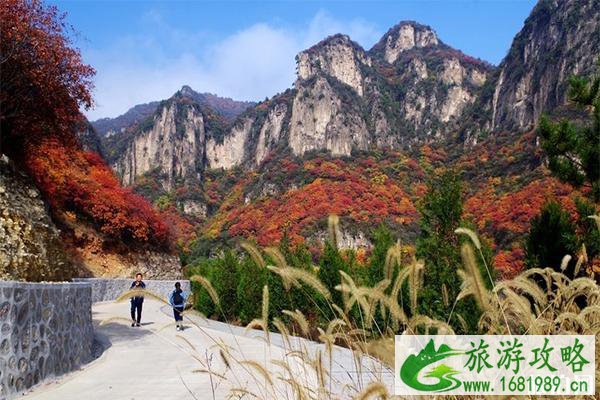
pixel 414 364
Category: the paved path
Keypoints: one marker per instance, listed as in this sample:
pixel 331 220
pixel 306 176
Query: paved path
pixel 157 362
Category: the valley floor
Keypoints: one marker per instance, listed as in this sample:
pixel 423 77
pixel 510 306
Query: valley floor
pixel 157 362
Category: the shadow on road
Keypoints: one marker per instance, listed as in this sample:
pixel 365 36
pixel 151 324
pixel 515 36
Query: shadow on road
pixel 115 332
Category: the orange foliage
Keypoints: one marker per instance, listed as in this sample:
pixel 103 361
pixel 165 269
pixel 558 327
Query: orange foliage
pixel 509 263
pixel 75 180
pixel 514 210
pixel 336 191
pixel 433 155
pixel 180 228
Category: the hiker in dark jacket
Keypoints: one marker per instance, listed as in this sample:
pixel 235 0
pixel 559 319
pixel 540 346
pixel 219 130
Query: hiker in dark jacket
pixel 137 301
pixel 177 301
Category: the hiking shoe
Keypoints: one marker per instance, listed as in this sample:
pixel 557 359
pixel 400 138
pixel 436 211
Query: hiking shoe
pixel 138 324
pixel 178 328
pixel 133 324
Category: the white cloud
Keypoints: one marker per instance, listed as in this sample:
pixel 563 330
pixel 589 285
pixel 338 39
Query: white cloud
pixel 251 64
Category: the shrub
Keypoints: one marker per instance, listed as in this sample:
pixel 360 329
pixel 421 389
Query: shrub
pixel 251 279
pixel 75 180
pixel 550 238
pixel 383 240
pixel 330 265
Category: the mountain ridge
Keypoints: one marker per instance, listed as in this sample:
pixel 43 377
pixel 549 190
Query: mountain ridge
pixel 226 106
pixel 410 96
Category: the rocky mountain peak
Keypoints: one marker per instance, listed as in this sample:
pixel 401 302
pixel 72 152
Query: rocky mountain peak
pixel 337 56
pixel 187 91
pixel 409 89
pixel 405 36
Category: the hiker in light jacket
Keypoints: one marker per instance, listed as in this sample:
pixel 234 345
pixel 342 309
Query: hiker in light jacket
pixel 177 301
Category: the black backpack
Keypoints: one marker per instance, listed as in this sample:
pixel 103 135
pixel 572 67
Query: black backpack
pixel 177 297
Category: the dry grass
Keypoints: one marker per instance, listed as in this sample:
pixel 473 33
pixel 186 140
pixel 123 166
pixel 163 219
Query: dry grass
pixel 538 301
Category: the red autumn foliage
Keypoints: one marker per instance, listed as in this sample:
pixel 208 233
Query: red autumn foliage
pixel 80 181
pixel 513 211
pixel 509 263
pixel 44 81
pixel 361 192
pixel 180 229
pixel 433 155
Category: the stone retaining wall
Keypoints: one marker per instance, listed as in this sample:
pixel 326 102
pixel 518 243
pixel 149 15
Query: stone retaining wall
pixel 45 331
pixel 104 289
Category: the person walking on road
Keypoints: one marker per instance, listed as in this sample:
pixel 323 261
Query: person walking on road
pixel 177 301
pixel 137 301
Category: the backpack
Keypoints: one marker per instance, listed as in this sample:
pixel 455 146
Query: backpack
pixel 177 297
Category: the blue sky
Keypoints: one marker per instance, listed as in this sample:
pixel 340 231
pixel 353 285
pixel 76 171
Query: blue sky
pixel 146 50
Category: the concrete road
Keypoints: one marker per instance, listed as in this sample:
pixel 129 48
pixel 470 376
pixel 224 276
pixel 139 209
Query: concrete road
pixel 157 362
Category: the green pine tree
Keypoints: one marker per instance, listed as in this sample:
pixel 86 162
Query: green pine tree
pixel 588 232
pixel 573 148
pixel 551 237
pixel 382 241
pixel 438 245
pixel 251 279
pixel 330 265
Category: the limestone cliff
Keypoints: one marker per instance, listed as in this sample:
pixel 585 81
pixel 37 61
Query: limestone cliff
pixel 427 85
pixel 559 39
pixel 30 244
pixel 336 56
pixel 172 141
pixel 229 151
pixel 402 37
pixel 226 107
pixel 322 120
pixel 410 88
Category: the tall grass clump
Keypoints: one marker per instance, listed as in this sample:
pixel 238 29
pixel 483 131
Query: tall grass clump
pixel 354 329
pixel 447 287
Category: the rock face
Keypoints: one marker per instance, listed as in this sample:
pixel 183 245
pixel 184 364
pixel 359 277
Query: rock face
pixel 271 131
pixel 229 151
pixel 559 39
pixel 405 36
pixel 337 56
pixel 173 143
pixel 409 89
pixel 226 107
pixel 30 245
pixel 320 120
pixel 429 85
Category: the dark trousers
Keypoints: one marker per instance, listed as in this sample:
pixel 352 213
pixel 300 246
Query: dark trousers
pixel 136 305
pixel 177 313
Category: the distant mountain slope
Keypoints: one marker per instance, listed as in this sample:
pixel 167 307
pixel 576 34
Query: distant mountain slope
pixel 111 126
pixel 354 134
pixel 225 106
pixel 410 88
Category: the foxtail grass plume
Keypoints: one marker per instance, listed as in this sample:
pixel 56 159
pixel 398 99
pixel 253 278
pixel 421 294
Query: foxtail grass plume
pixel 472 235
pixel 205 283
pixel 254 253
pixel 333 225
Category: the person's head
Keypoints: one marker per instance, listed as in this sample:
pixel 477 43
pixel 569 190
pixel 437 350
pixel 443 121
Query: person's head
pixel 177 286
pixel 138 276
